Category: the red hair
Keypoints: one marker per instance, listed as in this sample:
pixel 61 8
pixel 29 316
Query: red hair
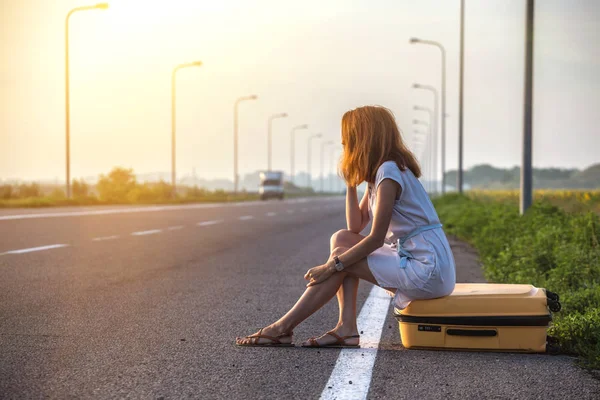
pixel 371 137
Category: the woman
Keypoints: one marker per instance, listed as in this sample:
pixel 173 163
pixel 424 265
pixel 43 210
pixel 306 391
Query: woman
pixel 406 252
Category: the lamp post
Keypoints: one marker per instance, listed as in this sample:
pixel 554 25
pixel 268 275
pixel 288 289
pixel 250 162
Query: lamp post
pixel 420 139
pixel 338 180
pixel 461 85
pixel 292 148
pixel 434 138
pixel 330 173
pixel 526 160
pixel 308 169
pixel 174 119
pixel 235 139
pixel 443 53
pixel 322 157
pixel 270 123
pixel 99 6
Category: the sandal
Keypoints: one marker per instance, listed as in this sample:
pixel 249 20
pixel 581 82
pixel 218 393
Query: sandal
pixel 274 340
pixel 339 343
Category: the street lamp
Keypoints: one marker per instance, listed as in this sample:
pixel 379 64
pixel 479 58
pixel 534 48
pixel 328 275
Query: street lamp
pixel 173 117
pixel 235 139
pixel 435 136
pixel 338 181
pixel 308 170
pixel 433 146
pixel 271 118
pixel 292 151
pixel 420 140
pixel 99 6
pixel 331 170
pixel 322 156
pixel 443 52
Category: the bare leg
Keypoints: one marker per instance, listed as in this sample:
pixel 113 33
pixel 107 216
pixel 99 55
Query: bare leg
pixel 314 298
pixel 346 295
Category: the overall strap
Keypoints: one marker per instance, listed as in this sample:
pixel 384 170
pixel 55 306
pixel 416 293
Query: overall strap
pixel 405 254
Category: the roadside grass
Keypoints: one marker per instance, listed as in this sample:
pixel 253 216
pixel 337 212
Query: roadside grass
pixel 548 247
pixel 573 200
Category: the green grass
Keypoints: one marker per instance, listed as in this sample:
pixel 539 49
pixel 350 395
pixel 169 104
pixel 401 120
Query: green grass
pixel 547 247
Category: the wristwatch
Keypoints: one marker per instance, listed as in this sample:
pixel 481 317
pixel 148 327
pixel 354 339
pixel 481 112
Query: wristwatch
pixel 338 264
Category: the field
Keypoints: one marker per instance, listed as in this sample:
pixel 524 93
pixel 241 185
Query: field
pixel 568 200
pixel 555 245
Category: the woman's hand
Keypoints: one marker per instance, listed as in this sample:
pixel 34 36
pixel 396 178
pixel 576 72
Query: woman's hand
pixel 319 274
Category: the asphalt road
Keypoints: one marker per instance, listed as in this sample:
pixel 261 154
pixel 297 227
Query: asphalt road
pixel 145 302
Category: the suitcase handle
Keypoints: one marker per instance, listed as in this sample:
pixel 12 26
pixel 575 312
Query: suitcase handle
pixel 471 332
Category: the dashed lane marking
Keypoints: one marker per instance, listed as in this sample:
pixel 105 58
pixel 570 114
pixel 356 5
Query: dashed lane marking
pixel 103 238
pixel 246 217
pixel 32 249
pixel 207 223
pixel 150 232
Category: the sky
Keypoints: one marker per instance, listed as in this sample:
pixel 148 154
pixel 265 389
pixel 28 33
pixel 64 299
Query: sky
pixel 313 60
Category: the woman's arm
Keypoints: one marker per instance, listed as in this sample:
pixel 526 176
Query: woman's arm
pixel 386 196
pixel 357 215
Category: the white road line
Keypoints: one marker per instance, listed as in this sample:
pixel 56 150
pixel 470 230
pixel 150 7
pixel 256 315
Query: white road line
pixel 110 211
pixel 207 223
pixel 246 217
pixel 102 238
pixel 143 233
pixel 356 365
pixel 290 211
pixel 32 249
pixel 128 210
pixel 175 228
pixel 271 214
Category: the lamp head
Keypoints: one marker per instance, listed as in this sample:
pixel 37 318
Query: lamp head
pixel 416 86
pixel 318 135
pixel 414 40
pixel 303 126
pixel 196 63
pixel 283 115
pixel 253 97
pixel 101 6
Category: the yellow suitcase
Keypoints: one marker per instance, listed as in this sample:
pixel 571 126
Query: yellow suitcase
pixel 481 316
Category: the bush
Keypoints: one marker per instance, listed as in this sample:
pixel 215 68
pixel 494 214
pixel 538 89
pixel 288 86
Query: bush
pixel 547 247
pixel 58 194
pixel 80 189
pixel 6 192
pixel 31 190
pixel 116 187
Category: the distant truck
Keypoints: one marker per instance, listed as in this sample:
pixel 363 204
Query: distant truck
pixel 271 185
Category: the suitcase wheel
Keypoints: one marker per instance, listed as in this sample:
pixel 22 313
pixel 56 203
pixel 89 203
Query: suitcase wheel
pixel 552 296
pixel 554 306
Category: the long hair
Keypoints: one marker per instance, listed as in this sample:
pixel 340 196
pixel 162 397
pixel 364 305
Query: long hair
pixel 371 137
